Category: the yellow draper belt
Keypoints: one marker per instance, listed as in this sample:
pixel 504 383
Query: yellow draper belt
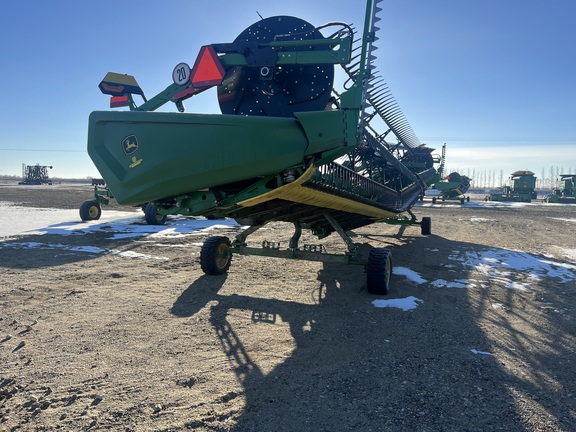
pixel 296 192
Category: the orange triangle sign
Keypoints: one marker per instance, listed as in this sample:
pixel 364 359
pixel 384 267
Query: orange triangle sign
pixel 207 70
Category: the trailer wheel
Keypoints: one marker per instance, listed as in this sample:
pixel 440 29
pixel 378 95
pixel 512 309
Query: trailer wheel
pixel 152 216
pixel 90 210
pixel 426 226
pixel 434 200
pixel 214 256
pixel 379 271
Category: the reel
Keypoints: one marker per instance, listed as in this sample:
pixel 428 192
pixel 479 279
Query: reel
pixel 263 88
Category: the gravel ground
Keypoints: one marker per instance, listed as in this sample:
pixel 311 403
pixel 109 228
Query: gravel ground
pixel 139 339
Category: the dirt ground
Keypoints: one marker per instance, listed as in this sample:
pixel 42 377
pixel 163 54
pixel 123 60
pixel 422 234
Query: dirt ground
pixel 102 342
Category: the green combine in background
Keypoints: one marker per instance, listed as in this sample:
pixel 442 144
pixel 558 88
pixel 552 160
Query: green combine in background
pixel 566 192
pixel 522 188
pixel 288 146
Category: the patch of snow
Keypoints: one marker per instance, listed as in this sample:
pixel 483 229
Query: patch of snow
pixel 405 304
pixel 475 351
pixel 36 245
pixel 478 219
pixel 410 274
pixel 132 254
pixel 516 285
pixel 15 220
pixel 569 253
pixel 82 249
pixel 503 264
pixel 563 219
pixel 496 204
pixel 461 283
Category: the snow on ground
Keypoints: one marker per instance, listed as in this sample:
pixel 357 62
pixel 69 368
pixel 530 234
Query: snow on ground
pixel 506 268
pixel 15 220
pixel 477 219
pixel 487 204
pixel 513 266
pixel 509 269
pixel 569 253
pixel 475 351
pixel 564 219
pixel 405 304
pixel 459 283
pixel 410 274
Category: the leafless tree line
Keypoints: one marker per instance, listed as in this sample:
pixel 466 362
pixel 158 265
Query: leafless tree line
pixel 493 179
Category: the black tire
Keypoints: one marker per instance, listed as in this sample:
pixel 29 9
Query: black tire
pixel 379 271
pixel 467 199
pixel 90 210
pixel 426 226
pixel 434 200
pixel 152 216
pixel 214 256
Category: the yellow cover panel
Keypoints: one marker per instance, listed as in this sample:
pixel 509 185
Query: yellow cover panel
pixel 296 192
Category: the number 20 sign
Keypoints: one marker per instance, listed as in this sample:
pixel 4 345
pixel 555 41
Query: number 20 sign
pixel 181 74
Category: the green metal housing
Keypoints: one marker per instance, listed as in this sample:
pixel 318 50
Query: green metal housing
pixel 178 153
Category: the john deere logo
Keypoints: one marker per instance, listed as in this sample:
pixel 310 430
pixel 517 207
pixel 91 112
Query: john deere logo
pixel 130 144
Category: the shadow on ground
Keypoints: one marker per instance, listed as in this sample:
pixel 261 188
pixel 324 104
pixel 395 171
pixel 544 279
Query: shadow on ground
pixel 454 364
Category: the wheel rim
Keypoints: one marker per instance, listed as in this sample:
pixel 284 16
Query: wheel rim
pixel 93 211
pixel 221 257
pixel 388 270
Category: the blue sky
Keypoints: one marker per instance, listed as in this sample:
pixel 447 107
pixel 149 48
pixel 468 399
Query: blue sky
pixel 495 79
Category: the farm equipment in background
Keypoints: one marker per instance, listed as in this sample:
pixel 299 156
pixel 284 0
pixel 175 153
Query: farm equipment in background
pixel 287 146
pixel 92 209
pixel 566 193
pixel 35 175
pixel 522 188
pixel 452 187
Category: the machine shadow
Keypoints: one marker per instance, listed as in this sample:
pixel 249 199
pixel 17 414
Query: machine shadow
pixel 358 367
pixel 198 295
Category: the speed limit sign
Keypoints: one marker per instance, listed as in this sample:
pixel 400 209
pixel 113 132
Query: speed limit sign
pixel 181 74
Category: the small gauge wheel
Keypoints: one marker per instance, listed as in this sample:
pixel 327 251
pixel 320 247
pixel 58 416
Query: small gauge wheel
pixel 379 271
pixel 90 210
pixel 215 258
pixel 152 216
